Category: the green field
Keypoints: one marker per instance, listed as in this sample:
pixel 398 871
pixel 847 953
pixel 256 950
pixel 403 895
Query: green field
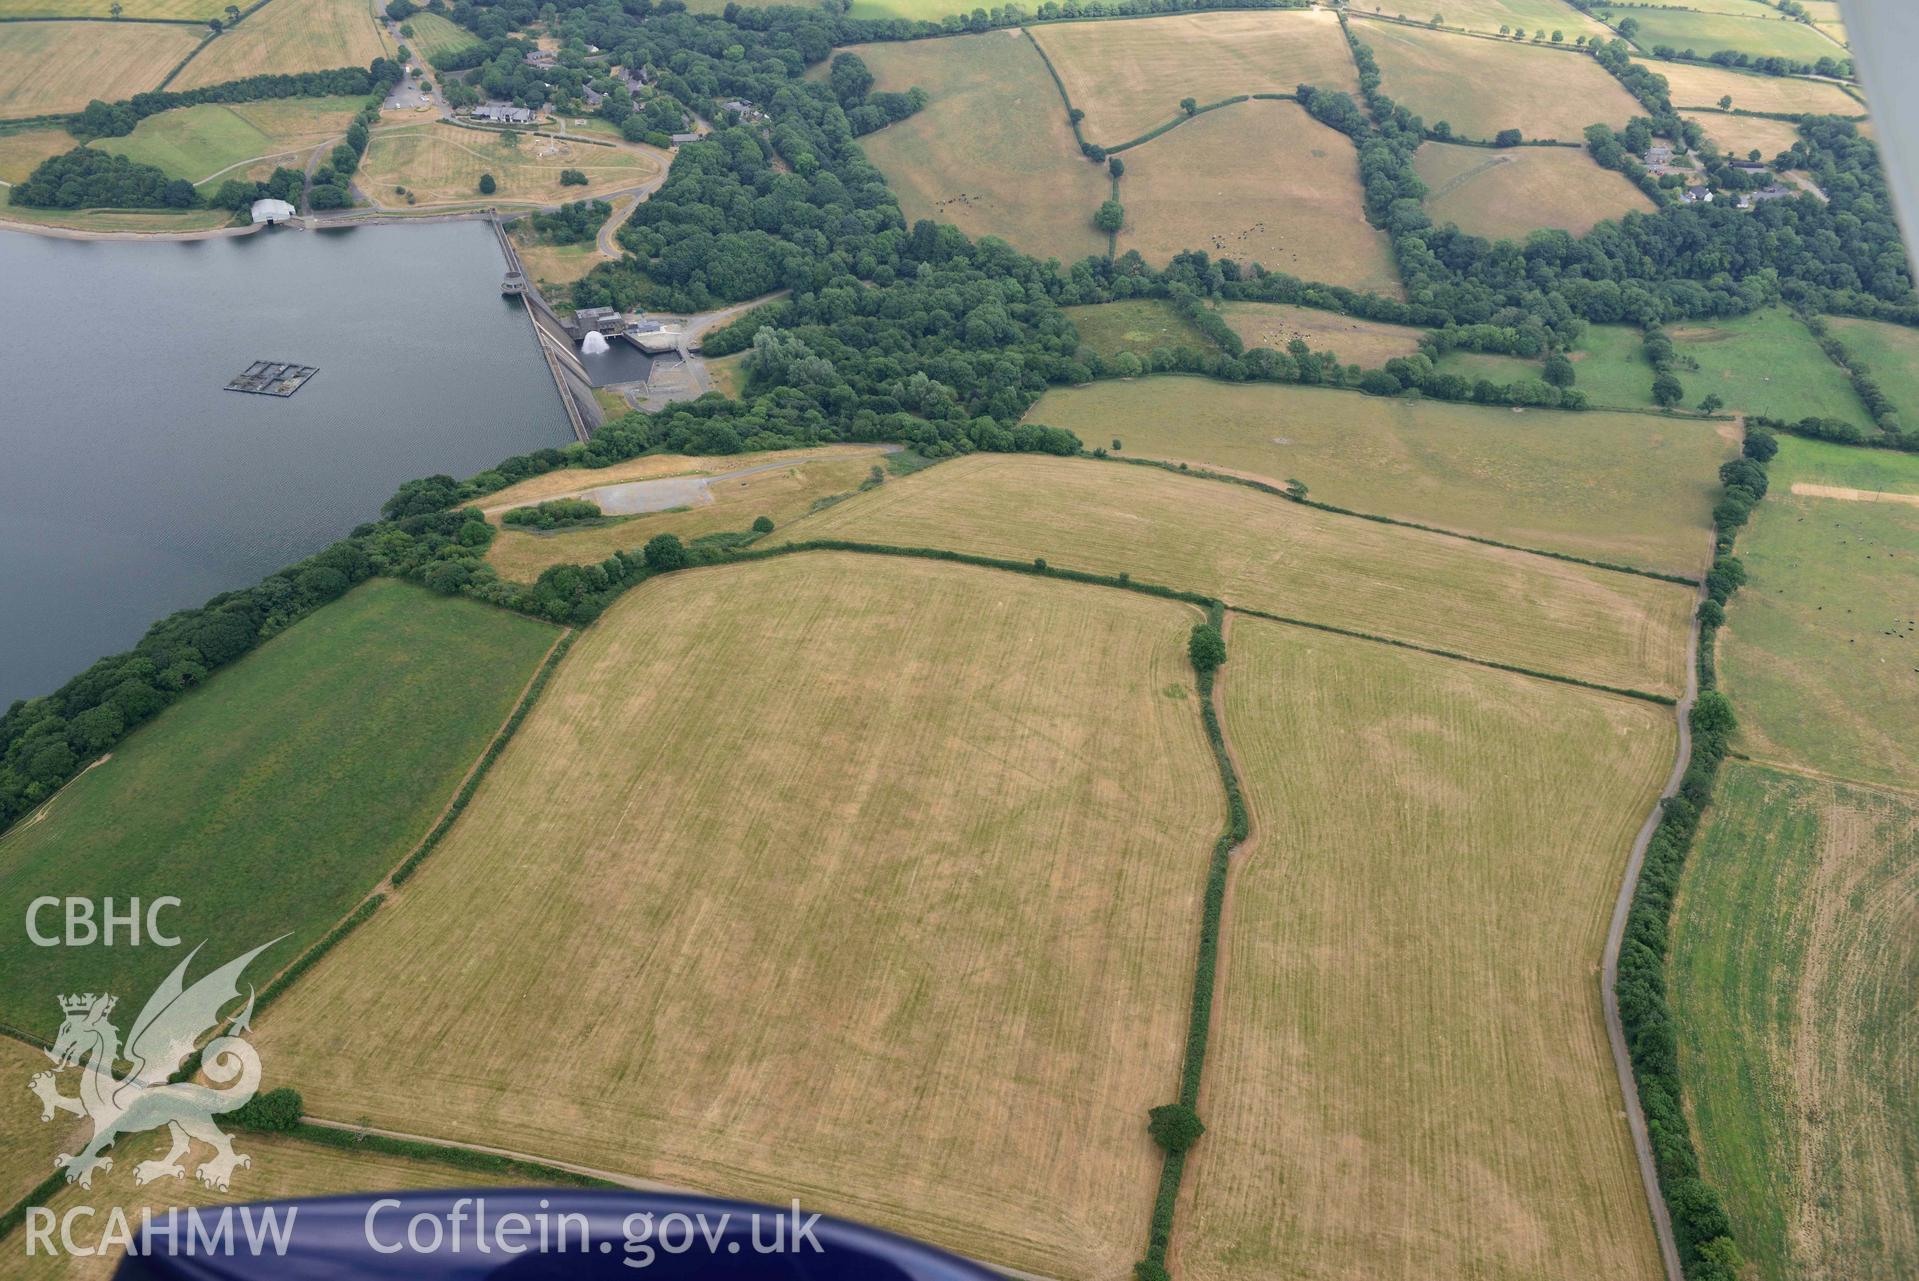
pixel 914 10
pixel 1263 552
pixel 1620 487
pixel 1795 964
pixel 1705 34
pixel 1483 86
pixel 1409 1076
pixel 272 799
pixel 1610 367
pixel 1820 652
pixel 991 153
pixel 1491 15
pixel 435 37
pixel 1891 354
pixel 1474 365
pixel 900 860
pixel 1765 363
pixel 208 143
pixel 1137 325
pixel 1510 192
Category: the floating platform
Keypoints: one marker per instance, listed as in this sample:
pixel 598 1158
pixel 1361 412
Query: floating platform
pixel 273 378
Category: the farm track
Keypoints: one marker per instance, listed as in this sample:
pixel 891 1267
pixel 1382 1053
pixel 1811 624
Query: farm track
pixel 1609 966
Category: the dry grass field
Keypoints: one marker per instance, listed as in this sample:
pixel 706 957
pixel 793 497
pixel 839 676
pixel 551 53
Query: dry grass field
pixel 281 1168
pixel 288 36
pixel 1258 182
pixel 1506 194
pixel 27 1143
pixel 48 67
pixel 1820 647
pixel 1409 1075
pixel 1618 487
pixel 992 152
pixel 441 165
pixel 1741 134
pixel 784 494
pixel 194 11
pixel 118 220
pixel 1263 552
pixel 1795 963
pixel 1696 86
pixel 873 882
pixel 1138 325
pixel 22 152
pixel 436 38
pixel 1370 343
pixel 1483 86
pixel 1129 75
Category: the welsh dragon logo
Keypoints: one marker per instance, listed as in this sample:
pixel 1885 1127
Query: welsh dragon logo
pixel 174 1017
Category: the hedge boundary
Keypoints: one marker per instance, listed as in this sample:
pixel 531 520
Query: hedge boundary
pixel 1265 487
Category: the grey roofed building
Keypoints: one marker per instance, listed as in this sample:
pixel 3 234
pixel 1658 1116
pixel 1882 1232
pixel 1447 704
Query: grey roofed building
pixel 503 113
pixel 271 211
pixel 603 320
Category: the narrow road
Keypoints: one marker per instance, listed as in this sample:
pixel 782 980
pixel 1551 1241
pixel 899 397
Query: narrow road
pixel 1609 969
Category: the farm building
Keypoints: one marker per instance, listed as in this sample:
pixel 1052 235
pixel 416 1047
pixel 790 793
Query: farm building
pixel 1658 154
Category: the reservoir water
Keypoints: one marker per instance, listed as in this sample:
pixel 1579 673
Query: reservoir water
pixel 132 484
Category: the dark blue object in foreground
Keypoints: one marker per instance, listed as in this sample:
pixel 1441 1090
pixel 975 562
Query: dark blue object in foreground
pixel 525 1235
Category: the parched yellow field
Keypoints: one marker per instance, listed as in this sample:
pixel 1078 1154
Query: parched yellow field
pixel 177 10
pixel 1370 343
pixel 1691 85
pixel 48 67
pixel 1508 193
pixel 1741 134
pixel 784 494
pixel 1264 552
pixel 1795 979
pixel 1618 487
pixel 288 36
pixel 1409 1075
pixel 281 1168
pixel 1129 75
pixel 991 153
pixel 22 152
pixel 873 882
pixel 1258 182
pixel 441 165
pixel 27 1143
pixel 1483 86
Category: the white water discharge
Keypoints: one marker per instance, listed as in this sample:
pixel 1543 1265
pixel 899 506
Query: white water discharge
pixel 594 344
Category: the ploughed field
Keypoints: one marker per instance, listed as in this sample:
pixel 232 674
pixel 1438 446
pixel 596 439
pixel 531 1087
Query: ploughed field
pixel 1264 552
pixel 1409 1074
pixel 870 881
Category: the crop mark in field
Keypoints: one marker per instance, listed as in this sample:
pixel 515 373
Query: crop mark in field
pixel 1457 181
pixel 1844 493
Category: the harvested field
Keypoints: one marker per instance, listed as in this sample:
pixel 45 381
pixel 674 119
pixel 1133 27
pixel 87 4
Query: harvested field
pixel 1257 182
pixel 1765 363
pixel 1370 343
pixel 784 494
pixel 1697 86
pixel 1641 494
pixel 435 38
pixel 1264 552
pixel 441 165
pixel 1795 960
pixel 1506 194
pixel 236 798
pixel 1409 1075
pixel 190 11
pixel 288 36
pixel 1739 135
pixel 1820 652
pixel 48 67
pixel 282 1167
pixel 1129 75
pixel 22 152
pixel 992 152
pixel 922 845
pixel 1137 325
pixel 1704 34
pixel 1891 354
pixel 215 141
pixel 1483 86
